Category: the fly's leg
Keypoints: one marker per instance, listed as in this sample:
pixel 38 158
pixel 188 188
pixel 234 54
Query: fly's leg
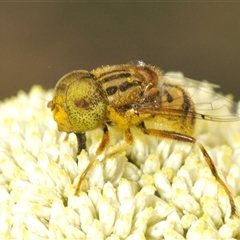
pixel 220 181
pixel 82 145
pixel 82 177
pixel 185 138
pixel 81 141
pixel 105 140
pixel 129 137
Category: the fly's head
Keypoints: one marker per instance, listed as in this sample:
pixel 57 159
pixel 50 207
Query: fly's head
pixel 79 102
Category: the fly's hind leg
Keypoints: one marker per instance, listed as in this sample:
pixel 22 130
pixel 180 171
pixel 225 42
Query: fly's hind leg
pixel 82 145
pixel 184 138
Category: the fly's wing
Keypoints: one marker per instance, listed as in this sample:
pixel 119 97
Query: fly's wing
pixel 208 104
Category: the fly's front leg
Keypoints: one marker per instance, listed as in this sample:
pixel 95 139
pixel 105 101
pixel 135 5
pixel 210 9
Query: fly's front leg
pixel 184 138
pixel 81 140
pixel 105 140
pixel 82 143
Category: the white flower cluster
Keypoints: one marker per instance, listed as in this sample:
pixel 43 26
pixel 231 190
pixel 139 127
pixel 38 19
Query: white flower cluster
pixel 157 189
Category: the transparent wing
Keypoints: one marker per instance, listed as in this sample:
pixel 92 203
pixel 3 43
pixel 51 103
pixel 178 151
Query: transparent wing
pixel 209 105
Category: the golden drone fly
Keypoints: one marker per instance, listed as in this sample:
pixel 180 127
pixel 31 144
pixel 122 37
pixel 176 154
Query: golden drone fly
pixel 126 96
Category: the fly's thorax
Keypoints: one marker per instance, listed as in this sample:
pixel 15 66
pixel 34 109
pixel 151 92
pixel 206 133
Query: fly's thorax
pixel 79 102
pixel 128 83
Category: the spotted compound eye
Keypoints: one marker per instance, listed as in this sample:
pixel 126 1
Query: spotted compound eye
pixel 79 102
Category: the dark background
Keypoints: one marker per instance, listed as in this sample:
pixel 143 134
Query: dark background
pixel 42 41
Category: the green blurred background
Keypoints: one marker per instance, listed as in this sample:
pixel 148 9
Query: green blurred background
pixel 42 41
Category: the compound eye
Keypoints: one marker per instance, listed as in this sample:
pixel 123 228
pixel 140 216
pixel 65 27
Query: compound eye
pixel 80 102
